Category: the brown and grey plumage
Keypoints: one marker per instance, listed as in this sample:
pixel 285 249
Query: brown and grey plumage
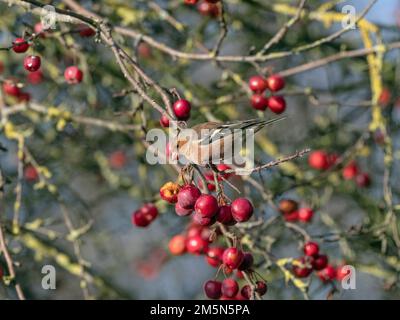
pixel 208 142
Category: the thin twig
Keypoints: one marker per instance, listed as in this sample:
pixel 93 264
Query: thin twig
pixel 282 32
pixel 4 249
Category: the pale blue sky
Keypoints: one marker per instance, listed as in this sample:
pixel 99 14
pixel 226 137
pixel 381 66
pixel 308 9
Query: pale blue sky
pixel 384 11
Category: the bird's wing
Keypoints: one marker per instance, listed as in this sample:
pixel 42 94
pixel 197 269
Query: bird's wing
pixel 217 131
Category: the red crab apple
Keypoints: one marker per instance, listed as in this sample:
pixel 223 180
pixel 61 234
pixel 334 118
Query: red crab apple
pixel 318 160
pixel 177 245
pixel 320 262
pixel 191 2
pixel 259 102
pixel 164 121
pixel 224 216
pixel 247 261
pixel 139 220
pixel 385 97
pixel 32 63
pixel 210 186
pixel 342 272
pixel 257 84
pixel 30 173
pixel 169 192
pixel 188 196
pixel 311 249
pixel 292 216
pixel 239 297
pixel 242 209
pixel 196 245
pixel 194 229
pixel 287 205
pixel 208 9
pixel 117 159
pixel 363 180
pixel 222 168
pixel 327 274
pixel 232 257
pixel 145 215
pixel 245 292
pixel 10 87
pixel 275 83
pixel 35 77
pixel 86 31
pixel 305 214
pixel 214 256
pixel 149 211
pixel 301 268
pixel 261 288
pixel 180 211
pixel 277 104
pixel 206 205
pixel 230 288
pixel 182 109
pixel 350 171
pixel 73 75
pixel 144 50
pixel 203 221
pixel 20 45
pixel 210 181
pixel 212 289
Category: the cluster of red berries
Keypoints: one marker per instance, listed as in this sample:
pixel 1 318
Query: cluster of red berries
pixel 181 110
pixel 260 101
pixel 352 172
pixel 145 215
pixel 291 211
pixel 31 62
pixel 231 259
pixel 321 160
pixel 313 260
pixel 209 176
pixel 206 7
pixel 228 289
pixel 198 237
pixel 196 240
pixel 188 198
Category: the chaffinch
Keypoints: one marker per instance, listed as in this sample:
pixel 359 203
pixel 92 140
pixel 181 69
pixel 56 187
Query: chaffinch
pixel 214 143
